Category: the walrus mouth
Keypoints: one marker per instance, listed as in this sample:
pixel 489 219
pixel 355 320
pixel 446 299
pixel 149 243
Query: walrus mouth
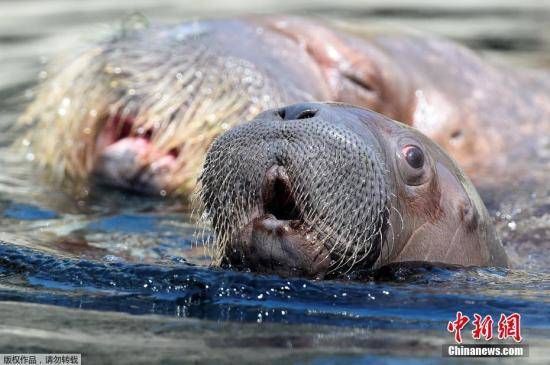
pixel 278 199
pixel 295 193
pixel 130 160
pixel 276 240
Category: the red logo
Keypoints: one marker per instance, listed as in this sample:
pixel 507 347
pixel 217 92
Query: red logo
pixel 457 325
pixel 482 328
pixel 508 326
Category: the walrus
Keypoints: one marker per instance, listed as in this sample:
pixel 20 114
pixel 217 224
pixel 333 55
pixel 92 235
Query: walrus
pixel 139 110
pixel 318 190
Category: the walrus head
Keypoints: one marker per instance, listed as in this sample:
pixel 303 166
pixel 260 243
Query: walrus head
pixel 140 109
pixel 319 189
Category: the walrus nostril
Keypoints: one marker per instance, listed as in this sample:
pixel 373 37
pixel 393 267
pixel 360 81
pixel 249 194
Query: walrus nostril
pixel 281 113
pixel 306 114
pixel 277 195
pixel 297 112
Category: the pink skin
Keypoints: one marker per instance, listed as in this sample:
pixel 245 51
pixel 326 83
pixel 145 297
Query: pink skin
pixel 144 151
pixel 132 162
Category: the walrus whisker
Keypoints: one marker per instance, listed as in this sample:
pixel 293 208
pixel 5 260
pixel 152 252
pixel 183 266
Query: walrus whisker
pixel 354 255
pixel 349 233
pixel 240 210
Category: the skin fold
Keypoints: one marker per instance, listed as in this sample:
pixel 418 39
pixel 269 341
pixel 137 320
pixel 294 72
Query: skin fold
pixel 140 109
pixel 320 190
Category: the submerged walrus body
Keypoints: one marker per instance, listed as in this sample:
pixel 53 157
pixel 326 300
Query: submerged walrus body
pixel 139 110
pixel 319 189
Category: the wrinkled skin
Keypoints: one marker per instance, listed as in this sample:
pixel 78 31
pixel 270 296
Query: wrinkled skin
pixel 139 111
pixel 318 190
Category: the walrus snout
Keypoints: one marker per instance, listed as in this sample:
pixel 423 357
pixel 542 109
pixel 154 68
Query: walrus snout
pixel 297 191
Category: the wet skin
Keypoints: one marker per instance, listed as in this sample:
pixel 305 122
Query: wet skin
pixel 318 190
pixel 139 111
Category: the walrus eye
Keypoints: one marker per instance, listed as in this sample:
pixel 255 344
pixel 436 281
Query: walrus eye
pixel 413 163
pixel 362 83
pixel 414 156
pixel 359 89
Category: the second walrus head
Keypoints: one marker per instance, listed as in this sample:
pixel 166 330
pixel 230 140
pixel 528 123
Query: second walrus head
pixel 139 110
pixel 319 189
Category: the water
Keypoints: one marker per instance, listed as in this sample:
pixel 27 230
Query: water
pixel 117 276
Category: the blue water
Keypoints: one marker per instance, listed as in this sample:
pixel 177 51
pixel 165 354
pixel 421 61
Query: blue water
pixel 28 212
pixel 423 298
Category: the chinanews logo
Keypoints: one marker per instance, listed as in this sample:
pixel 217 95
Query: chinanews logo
pixel 502 340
